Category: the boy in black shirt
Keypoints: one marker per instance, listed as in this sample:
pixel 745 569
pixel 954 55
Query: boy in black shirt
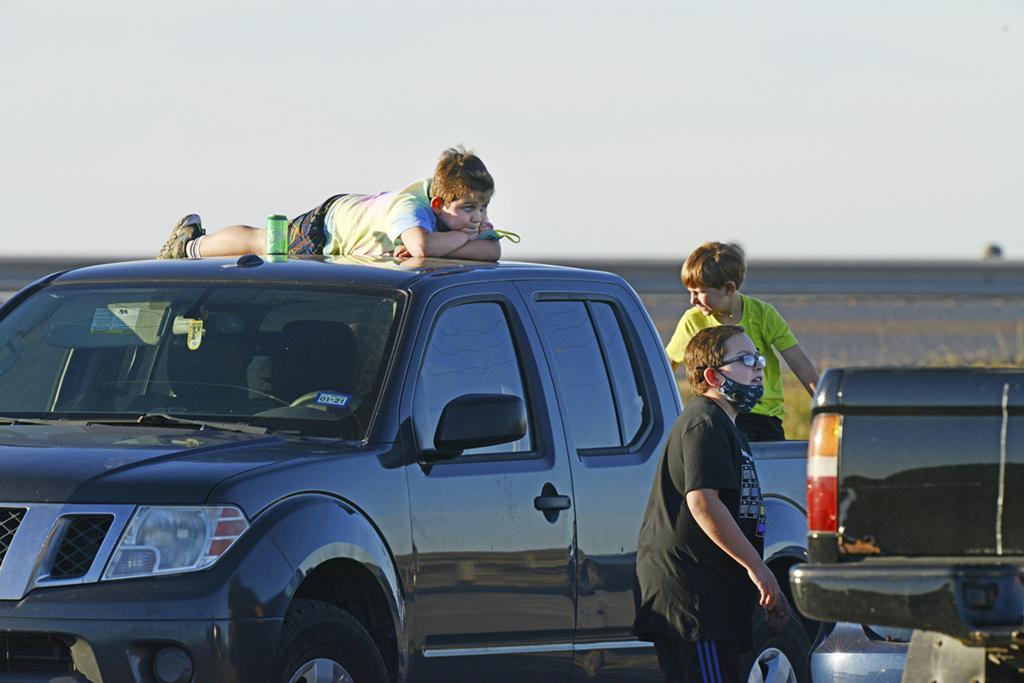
pixel 699 560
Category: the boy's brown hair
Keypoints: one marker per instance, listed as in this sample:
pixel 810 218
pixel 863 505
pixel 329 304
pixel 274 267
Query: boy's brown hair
pixel 706 350
pixel 712 264
pixel 459 173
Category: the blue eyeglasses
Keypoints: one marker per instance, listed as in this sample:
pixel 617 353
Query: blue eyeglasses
pixel 751 360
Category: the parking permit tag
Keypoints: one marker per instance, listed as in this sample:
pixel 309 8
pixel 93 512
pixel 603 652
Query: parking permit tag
pixel 195 334
pixel 332 399
pixel 114 319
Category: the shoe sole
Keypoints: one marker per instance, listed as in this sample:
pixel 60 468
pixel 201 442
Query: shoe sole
pixel 187 229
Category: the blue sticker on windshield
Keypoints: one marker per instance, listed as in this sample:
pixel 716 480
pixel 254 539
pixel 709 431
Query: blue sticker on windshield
pixel 332 399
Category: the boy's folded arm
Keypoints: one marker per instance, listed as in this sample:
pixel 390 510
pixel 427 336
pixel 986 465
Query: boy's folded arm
pixel 802 367
pixel 478 250
pixel 420 243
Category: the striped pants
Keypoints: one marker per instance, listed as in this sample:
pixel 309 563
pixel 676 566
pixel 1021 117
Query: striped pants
pixel 704 661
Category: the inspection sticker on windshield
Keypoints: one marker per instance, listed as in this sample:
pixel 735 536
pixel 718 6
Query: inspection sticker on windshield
pixel 114 320
pixel 332 399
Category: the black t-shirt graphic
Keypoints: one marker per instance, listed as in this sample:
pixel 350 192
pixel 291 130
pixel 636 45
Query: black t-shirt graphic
pixel 689 587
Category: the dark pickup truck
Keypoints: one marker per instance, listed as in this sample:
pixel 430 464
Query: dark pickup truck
pixel 332 470
pixel 916 514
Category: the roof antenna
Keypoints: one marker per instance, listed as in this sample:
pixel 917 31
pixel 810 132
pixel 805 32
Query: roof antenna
pixel 249 261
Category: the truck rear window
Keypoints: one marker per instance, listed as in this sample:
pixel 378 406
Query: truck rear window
pixel 301 359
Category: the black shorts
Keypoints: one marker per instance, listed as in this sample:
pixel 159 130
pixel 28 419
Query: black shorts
pixel 307 233
pixel 705 661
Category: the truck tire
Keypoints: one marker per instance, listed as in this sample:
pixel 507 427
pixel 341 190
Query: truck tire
pixel 322 643
pixel 779 655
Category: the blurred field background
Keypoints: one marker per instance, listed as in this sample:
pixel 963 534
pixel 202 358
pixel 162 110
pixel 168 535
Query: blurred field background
pixel 878 329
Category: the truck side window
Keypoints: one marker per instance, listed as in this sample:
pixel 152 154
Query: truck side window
pixel 470 351
pixel 594 371
pixel 628 395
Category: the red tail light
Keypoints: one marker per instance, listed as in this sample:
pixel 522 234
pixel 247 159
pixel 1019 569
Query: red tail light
pixel 822 470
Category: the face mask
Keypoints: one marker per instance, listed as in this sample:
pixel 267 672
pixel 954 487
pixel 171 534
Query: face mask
pixel 743 396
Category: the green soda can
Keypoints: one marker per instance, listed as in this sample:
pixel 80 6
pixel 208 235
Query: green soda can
pixel 277 235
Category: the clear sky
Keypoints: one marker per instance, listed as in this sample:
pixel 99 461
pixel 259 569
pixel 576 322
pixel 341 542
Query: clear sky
pixel 799 128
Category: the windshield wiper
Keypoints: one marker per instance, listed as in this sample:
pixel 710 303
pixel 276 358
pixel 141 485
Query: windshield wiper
pixel 164 420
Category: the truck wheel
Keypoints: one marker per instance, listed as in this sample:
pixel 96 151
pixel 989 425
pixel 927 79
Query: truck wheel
pixel 322 643
pixel 779 655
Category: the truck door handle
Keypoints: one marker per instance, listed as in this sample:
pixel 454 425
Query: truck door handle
pixel 550 503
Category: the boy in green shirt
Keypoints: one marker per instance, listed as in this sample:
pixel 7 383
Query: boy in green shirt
pixel 713 274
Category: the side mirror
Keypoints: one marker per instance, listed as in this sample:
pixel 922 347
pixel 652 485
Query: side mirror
pixel 477 420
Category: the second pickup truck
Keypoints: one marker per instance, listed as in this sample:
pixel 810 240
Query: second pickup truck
pixel 916 514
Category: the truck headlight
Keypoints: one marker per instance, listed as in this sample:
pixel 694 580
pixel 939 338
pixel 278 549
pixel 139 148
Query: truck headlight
pixel 171 540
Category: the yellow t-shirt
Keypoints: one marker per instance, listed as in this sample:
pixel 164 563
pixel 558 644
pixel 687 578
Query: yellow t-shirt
pixel 766 329
pixel 369 224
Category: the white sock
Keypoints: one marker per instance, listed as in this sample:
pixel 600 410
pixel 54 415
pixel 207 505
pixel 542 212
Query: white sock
pixel 192 247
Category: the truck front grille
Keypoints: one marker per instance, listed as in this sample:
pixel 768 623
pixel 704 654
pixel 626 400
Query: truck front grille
pixel 81 542
pixel 34 653
pixel 10 520
pixel 56 544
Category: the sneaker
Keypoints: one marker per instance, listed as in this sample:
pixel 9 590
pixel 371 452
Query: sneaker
pixel 187 229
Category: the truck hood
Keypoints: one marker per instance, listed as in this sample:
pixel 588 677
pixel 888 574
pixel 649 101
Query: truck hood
pixel 118 464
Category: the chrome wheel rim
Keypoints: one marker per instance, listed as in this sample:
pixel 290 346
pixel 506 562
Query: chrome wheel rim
pixel 772 666
pixel 321 671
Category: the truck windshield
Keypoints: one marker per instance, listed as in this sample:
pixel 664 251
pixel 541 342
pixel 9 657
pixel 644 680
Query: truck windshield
pixel 301 359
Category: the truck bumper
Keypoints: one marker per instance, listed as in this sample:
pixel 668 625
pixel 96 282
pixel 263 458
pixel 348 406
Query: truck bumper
pixel 105 650
pixel 979 603
pixel 226 619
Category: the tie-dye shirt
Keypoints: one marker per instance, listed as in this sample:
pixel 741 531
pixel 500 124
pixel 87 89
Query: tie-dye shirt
pixel 369 224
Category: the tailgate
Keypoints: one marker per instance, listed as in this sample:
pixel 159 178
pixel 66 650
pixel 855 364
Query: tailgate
pixel 931 462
